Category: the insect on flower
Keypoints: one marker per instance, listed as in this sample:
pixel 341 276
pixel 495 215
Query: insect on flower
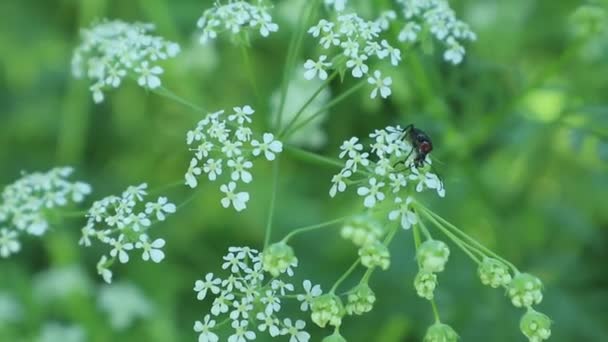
pixel 421 144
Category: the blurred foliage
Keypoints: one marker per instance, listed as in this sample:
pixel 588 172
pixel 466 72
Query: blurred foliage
pixel 520 132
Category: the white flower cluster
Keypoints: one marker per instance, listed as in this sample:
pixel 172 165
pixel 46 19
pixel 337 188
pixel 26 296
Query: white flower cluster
pixel 338 5
pixel 234 17
pixel 250 296
pixel 357 41
pixel 227 138
pixel 387 175
pixel 439 19
pixel 124 303
pixel 26 204
pixel 113 50
pixel 117 222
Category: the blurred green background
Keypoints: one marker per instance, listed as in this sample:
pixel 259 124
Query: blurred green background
pixel 520 130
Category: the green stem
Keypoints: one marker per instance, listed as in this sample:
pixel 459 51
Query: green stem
pixel 435 311
pixel 313 227
pixel 275 176
pixel 472 241
pixel 292 52
pixel 297 115
pixel 326 107
pixel 250 75
pixel 162 91
pixel 459 242
pixel 344 276
pixel 313 157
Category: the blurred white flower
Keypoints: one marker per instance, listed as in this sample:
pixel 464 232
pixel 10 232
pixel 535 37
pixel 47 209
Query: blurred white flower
pixel 235 17
pixel 123 303
pixel 53 332
pixel 111 51
pixel 26 203
pixel 437 17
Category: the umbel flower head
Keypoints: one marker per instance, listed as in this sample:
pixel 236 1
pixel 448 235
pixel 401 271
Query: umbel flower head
pixel 251 298
pixel 352 43
pixel 122 222
pixel 375 254
pixel 425 284
pixel 360 300
pixel 525 290
pixel 385 174
pixel 327 309
pixel 535 325
pixel 437 18
pixel 494 273
pixel 26 204
pixel 362 230
pixel 440 332
pixel 111 51
pixel 279 258
pixel 223 144
pixel 236 17
pixel 433 255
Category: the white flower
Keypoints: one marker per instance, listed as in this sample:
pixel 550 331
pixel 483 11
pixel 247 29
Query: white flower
pixel 282 286
pixel 210 283
pixel 269 322
pixel 338 4
pixel 295 331
pixel 428 179
pixel 312 68
pixel 455 53
pixel 394 53
pixel 269 146
pixel 351 146
pixel 120 249
pixel 193 171
pixel 310 292
pixel 239 169
pixel 241 334
pixel 241 114
pixel 372 194
pixel 151 250
pixel 382 85
pixel 213 168
pixel 272 302
pixel 338 184
pixel 398 181
pixel 103 270
pixel 220 304
pixel 242 309
pixel 238 200
pixel 161 207
pixel 8 243
pixel 148 76
pixel 408 218
pixel 358 65
pixel 357 159
pixel 409 33
pixel 204 328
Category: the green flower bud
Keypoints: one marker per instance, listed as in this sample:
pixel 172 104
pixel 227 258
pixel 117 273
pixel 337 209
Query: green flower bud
pixel 425 284
pixel 279 258
pixel 494 273
pixel 525 290
pixel 360 300
pixel 362 230
pixel 433 255
pixel 375 255
pixel 326 309
pixel 440 332
pixel 535 325
pixel 335 337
